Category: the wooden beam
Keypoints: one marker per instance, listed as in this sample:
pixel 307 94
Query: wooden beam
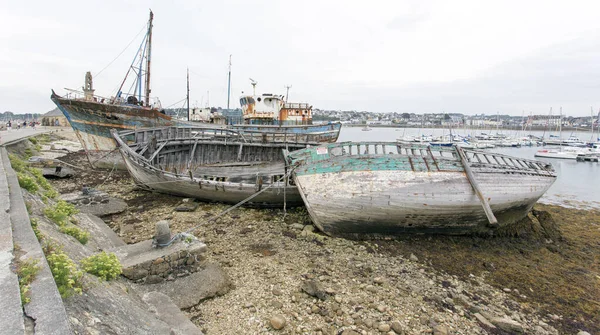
pixel 471 177
pixel 239 155
pixel 157 151
pixel 192 155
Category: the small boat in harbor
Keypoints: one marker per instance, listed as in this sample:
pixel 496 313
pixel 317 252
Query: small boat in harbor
pixel 559 153
pixel 355 189
pixel 213 165
pixel 366 128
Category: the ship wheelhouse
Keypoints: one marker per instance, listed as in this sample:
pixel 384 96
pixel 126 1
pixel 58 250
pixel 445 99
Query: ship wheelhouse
pixel 271 109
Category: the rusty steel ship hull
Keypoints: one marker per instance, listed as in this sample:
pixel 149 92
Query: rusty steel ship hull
pixel 324 133
pixel 380 193
pixel 92 122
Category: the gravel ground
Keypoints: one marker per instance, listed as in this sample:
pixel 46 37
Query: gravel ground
pixel 291 280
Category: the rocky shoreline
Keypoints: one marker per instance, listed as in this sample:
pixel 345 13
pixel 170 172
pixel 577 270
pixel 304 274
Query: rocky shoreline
pixel 288 279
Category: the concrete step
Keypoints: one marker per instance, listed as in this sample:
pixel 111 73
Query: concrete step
pixel 46 307
pixel 11 318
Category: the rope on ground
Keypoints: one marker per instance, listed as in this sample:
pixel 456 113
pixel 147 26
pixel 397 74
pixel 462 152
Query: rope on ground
pixel 110 152
pixel 109 174
pixel 241 202
pixel 188 233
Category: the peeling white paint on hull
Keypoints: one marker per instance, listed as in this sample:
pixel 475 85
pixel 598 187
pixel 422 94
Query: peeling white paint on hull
pixel 384 202
pixel 353 189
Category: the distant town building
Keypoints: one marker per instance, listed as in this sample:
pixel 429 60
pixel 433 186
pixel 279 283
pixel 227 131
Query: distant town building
pixel 54 118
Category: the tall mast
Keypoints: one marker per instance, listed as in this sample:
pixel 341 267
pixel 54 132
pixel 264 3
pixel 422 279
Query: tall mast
pixel 187 97
pixel 148 59
pixel 592 121
pixel 229 83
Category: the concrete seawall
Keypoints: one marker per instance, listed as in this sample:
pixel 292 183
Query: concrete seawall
pixel 45 313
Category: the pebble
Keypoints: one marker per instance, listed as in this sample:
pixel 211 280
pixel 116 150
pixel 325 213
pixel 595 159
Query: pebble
pixel 297 226
pixel 384 327
pixel 378 280
pixel 413 258
pixel 397 327
pixel 440 330
pixel 277 322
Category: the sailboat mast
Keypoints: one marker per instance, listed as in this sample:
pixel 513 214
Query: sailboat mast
pixel 148 59
pixel 229 83
pixel 187 97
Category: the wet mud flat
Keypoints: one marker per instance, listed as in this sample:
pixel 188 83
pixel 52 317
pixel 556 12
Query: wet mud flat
pixel 414 282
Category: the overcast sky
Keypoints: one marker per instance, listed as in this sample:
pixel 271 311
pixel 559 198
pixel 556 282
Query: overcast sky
pixel 380 56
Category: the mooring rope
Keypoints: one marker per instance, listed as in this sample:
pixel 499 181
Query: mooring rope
pixel 188 232
pixel 110 152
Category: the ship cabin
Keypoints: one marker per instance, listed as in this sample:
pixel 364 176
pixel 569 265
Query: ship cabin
pixel 271 109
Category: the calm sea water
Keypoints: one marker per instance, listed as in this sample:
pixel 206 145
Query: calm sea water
pixel 577 185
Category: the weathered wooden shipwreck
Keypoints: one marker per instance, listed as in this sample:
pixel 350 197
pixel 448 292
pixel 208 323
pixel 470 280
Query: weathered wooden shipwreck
pixel 93 116
pixel 354 189
pixel 215 165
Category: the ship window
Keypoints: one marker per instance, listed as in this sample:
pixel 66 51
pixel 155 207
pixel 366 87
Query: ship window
pixel 242 101
pixel 258 99
pixel 250 100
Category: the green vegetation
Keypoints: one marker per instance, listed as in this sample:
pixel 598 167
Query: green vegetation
pixel 64 270
pixel 41 180
pixel 103 265
pixel 26 271
pixel 36 229
pixel 31 178
pixel 42 139
pixel 28 153
pixel 60 212
pixel 27 182
pixel 17 163
pixel 35 143
pixel 81 235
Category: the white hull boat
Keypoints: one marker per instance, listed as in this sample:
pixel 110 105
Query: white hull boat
pixel 355 189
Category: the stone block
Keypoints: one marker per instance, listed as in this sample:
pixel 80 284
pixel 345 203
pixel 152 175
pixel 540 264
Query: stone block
pixel 138 259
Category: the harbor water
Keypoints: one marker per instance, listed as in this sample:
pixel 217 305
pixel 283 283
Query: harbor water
pixel 577 185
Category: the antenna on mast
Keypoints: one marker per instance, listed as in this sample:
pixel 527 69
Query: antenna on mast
pixel 253 82
pixel 287 93
pixel 229 83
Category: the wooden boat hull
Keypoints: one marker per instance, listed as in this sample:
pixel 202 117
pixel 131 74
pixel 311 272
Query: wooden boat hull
pixel 211 190
pixel 383 194
pixel 192 162
pixel 92 122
